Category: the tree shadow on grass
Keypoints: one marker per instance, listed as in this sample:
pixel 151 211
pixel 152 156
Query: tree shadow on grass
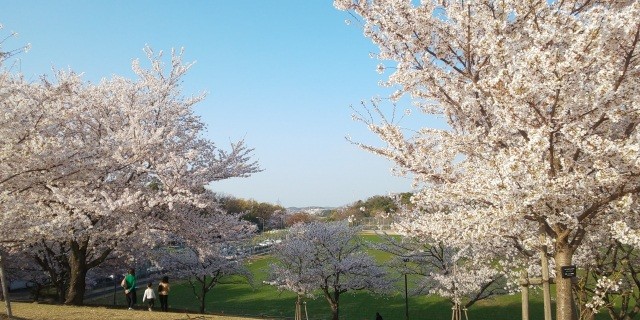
pixel 3 316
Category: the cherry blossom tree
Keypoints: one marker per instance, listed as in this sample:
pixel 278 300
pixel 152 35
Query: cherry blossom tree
pixel 22 267
pixel 10 157
pixel 609 282
pixel 328 257
pixel 444 271
pixel 541 100
pixel 203 271
pixel 89 167
pixel 6 54
pixel 201 256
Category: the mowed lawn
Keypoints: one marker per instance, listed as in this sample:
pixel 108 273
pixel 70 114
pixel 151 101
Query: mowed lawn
pixel 234 296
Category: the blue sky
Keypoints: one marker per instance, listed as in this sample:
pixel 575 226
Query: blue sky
pixel 280 74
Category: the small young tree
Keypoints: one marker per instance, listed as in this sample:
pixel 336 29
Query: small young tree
pixel 201 257
pixel 203 270
pixel 329 257
pixel 609 281
pixel 444 271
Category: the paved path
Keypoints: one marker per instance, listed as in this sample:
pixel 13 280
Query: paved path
pixel 24 295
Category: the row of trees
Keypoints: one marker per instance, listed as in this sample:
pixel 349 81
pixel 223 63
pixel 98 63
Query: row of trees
pixel 264 215
pixel 375 206
pixel 541 150
pixel 331 258
pixel 328 259
pixel 100 174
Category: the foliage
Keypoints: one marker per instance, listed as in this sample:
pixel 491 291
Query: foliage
pixel 264 215
pixel 299 217
pixel 236 297
pixel 371 207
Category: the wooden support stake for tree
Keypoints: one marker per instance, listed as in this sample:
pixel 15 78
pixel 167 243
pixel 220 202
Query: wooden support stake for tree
pixel 5 290
pixel 524 290
pixel 545 277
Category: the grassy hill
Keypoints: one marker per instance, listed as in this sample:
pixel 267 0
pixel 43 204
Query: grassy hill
pixel 38 311
pixel 234 296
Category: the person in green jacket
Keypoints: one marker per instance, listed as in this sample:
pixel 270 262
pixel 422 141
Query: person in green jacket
pixel 130 288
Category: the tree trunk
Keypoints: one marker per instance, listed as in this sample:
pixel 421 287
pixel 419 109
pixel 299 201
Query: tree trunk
pixel 298 315
pixel 203 294
pixel 564 295
pixel 5 291
pixel 61 291
pixel 335 310
pixel 335 307
pixel 77 277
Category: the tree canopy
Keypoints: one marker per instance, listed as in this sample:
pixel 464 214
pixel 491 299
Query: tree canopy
pixel 89 171
pixel 542 104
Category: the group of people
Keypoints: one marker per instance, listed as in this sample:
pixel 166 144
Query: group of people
pixel 149 296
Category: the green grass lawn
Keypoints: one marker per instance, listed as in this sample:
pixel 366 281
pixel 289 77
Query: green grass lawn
pixel 234 296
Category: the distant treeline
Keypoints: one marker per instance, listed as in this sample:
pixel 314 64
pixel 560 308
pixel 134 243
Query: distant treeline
pixel 269 216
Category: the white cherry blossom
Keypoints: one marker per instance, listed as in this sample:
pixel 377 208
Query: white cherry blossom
pixel 541 101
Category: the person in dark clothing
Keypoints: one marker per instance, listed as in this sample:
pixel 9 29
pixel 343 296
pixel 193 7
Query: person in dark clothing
pixel 130 288
pixel 163 292
pixel 378 316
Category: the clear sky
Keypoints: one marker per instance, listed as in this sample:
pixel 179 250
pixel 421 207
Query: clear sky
pixel 280 74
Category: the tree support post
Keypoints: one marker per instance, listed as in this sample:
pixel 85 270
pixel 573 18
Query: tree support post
pixel 524 290
pixel 299 304
pixel 525 282
pixel 5 290
pixel 545 277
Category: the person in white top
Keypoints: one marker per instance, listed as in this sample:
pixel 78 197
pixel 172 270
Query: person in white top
pixel 149 296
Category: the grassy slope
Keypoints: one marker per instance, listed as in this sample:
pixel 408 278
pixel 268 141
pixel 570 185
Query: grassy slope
pixel 234 296
pixel 33 311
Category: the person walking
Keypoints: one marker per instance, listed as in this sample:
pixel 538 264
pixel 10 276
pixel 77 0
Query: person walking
pixel 149 296
pixel 130 288
pixel 163 293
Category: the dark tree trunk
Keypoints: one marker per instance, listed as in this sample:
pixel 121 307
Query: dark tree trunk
pixel 77 277
pixel 61 290
pixel 335 305
pixel 203 294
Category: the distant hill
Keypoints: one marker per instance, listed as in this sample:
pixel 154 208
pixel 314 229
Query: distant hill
pixel 313 210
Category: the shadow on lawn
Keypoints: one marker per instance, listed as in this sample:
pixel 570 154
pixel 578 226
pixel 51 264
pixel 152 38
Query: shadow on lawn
pixel 3 316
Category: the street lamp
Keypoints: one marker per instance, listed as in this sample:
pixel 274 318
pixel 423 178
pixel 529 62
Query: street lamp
pixel 113 277
pixel 406 291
